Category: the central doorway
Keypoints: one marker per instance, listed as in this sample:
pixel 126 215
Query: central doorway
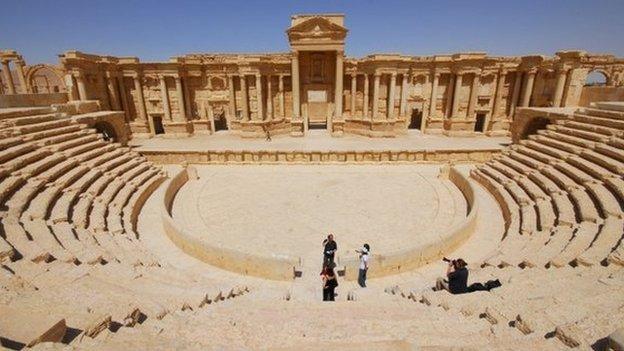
pixel 317 75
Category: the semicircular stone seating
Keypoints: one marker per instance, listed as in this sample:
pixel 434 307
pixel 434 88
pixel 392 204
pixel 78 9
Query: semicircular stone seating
pixel 561 256
pixel 561 191
pixel 69 202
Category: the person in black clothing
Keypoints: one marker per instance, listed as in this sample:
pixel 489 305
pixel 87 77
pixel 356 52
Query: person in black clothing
pixel 330 283
pixel 329 250
pixel 456 281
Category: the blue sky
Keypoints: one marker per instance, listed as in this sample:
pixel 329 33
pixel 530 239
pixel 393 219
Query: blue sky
pixel 157 30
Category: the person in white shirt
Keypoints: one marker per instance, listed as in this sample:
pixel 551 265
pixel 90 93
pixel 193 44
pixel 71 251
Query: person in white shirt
pixel 363 264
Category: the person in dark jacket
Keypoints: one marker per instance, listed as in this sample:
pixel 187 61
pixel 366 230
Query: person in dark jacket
pixel 329 251
pixel 456 281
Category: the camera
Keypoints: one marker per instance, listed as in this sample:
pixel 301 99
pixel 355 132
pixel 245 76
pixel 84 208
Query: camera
pixel 448 260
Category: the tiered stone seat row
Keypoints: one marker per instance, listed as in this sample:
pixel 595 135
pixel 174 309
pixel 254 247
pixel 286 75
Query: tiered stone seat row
pixel 578 306
pixel 69 203
pixel 561 193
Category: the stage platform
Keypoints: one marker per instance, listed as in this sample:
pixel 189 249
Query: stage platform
pixel 318 147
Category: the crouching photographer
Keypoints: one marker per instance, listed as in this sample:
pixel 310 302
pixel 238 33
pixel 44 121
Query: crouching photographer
pixel 456 280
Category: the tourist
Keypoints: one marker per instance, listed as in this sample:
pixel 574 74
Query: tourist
pixel 363 264
pixel 456 277
pixel 330 283
pixel 329 250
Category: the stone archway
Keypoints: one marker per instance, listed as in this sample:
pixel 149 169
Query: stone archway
pixel 107 130
pixel 44 78
pixel 598 77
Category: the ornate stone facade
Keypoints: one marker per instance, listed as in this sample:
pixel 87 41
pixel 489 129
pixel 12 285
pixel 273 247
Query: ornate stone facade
pixel 316 86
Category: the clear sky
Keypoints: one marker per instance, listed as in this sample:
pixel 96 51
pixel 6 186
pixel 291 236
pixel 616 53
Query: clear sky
pixel 157 30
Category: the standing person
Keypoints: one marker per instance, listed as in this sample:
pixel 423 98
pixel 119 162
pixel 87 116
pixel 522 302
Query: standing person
pixel 329 250
pixel 363 264
pixel 330 283
pixel 457 277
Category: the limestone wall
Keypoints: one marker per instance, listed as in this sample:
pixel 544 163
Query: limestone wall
pixel 32 100
pixel 413 257
pixel 591 94
pixel 317 157
pixel 274 267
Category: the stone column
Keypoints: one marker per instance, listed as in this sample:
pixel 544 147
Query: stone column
pixel 165 98
pixel 375 96
pixel 112 90
pixel 280 87
pixel 516 93
pixel 7 76
pixel 187 99
pixel 365 104
pixel 105 101
pixel 456 95
pixel 19 64
pixel 404 87
pixel 181 103
pixel 269 104
pixel 295 85
pixel 124 97
pixel 391 91
pixel 498 100
pixel 140 98
pixel 82 88
pixel 232 97
pixel 474 93
pixel 244 98
pixel 339 87
pixel 434 94
pixel 528 87
pixel 259 110
pixel 561 78
pixel 353 93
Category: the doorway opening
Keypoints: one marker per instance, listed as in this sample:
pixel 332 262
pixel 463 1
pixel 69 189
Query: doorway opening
pixel 416 119
pixel 220 122
pixel 158 125
pixel 479 123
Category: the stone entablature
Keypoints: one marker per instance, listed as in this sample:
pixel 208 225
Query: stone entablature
pixel 315 85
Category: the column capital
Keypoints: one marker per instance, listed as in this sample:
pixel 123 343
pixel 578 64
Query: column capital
pixel 258 75
pixel 354 74
pixel 377 75
pixel 5 61
pixel 393 74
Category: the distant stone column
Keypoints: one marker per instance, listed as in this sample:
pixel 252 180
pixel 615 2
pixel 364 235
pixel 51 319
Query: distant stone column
pixel 244 98
pixel 295 85
pixel 498 100
pixel 141 100
pixel 365 104
pixel 7 76
pixel 434 94
pixel 474 93
pixel 404 87
pixel 561 78
pixel 82 88
pixel 339 86
pixel 165 97
pixel 181 104
pixel 19 65
pixel 375 96
pixel 187 98
pixel 528 87
pixel 111 82
pixel 516 93
pixel 450 97
pixel 259 110
pixel 280 87
pixel 232 97
pixel 123 94
pixel 456 95
pixel 269 103
pixel 103 87
pixel 391 91
pixel 353 93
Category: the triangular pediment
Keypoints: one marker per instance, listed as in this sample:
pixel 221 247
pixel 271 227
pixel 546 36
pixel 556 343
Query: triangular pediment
pixel 317 27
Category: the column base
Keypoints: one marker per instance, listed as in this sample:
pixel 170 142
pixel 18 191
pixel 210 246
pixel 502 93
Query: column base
pixel 297 127
pixel 202 126
pixel 140 130
pixel 434 126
